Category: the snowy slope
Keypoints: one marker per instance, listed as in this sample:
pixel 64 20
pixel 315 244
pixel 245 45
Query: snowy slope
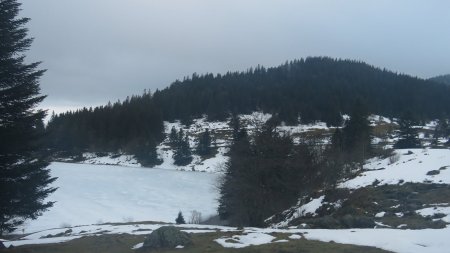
pixel 90 194
pixel 412 166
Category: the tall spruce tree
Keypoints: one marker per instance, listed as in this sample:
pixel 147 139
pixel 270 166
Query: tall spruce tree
pixel 24 179
pixel 182 154
pixel 408 136
pixel 204 144
pixel 357 133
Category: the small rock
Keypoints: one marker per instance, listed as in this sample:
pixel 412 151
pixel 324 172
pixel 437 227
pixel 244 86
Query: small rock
pixel 433 172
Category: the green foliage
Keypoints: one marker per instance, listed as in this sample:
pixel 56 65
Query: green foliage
pixel 316 88
pixel 204 144
pixel 24 179
pixel 408 136
pixel 133 126
pixel 264 176
pixel 310 89
pixel 182 154
pixel 180 218
pixel 146 154
pixel 442 130
pixel 350 147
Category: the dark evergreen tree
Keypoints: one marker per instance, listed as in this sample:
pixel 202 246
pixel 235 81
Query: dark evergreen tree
pixel 182 155
pixel 235 125
pixel 173 137
pixel 442 130
pixel 408 136
pixel 357 134
pixel 24 178
pixel 147 154
pixel 230 203
pixel 204 144
pixel 180 218
pixel 263 177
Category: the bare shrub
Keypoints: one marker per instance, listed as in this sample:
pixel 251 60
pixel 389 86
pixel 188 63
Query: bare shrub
pixel 65 225
pixel 196 217
pixel 395 157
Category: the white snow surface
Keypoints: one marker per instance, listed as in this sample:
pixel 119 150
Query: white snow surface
pixel 308 209
pixel 111 159
pixel 400 241
pixel 311 207
pixel 91 194
pixel 245 240
pixel 380 214
pixel 409 168
pixel 138 246
pixel 430 211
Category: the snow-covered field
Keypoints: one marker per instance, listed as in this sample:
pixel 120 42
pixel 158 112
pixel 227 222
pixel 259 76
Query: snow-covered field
pixel 401 241
pixel 91 194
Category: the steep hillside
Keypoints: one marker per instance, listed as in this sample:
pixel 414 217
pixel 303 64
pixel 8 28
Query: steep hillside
pixel 410 189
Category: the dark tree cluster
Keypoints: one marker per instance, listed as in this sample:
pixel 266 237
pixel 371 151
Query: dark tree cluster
pixel 442 130
pixel 182 154
pixel 408 135
pixel 24 178
pixel 264 175
pixel 351 145
pixel 204 148
pixel 267 173
pixel 311 89
pixel 445 79
pixel 133 126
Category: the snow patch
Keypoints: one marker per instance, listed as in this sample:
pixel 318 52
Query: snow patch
pixel 410 167
pixel 241 241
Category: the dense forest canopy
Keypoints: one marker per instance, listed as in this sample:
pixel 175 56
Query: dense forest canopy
pixel 445 79
pixel 316 88
pixel 311 89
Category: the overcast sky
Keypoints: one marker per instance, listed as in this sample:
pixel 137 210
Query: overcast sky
pixel 103 50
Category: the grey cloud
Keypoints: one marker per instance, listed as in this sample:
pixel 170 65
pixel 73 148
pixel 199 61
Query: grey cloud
pixel 100 50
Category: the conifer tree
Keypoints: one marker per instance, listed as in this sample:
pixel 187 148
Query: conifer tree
pixel 180 218
pixel 204 144
pixel 182 155
pixel 24 179
pixel 408 136
pixel 357 134
pixel 442 130
pixel 173 137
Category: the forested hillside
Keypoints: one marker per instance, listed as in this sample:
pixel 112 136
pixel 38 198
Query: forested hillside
pixel 445 79
pixel 309 89
pixel 313 88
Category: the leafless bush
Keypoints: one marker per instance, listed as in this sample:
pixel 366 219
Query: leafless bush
pixel 196 217
pixel 395 157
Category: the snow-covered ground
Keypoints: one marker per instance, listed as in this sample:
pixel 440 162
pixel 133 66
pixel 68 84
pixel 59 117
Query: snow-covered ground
pixel 91 194
pixel 407 165
pixel 111 159
pixel 401 241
